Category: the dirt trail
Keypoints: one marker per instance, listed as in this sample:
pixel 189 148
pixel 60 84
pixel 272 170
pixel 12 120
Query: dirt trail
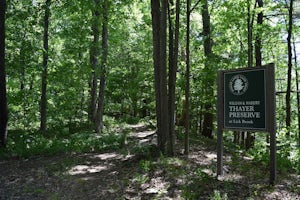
pixel 121 175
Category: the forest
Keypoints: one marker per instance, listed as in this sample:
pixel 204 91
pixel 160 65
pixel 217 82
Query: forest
pixel 103 99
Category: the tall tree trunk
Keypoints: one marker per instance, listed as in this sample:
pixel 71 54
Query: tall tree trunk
pixel 163 77
pixel 3 100
pixel 155 13
pixel 289 73
pixel 94 61
pixel 159 23
pixel 187 79
pixel 250 34
pixel 82 99
pixel 100 109
pixel 208 115
pixel 250 20
pixel 258 56
pixel 258 44
pixel 22 81
pixel 43 126
pixel 173 57
pixel 297 87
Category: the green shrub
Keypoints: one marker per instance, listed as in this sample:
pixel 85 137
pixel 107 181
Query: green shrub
pixel 24 145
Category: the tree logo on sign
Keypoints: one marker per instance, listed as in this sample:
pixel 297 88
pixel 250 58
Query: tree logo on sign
pixel 238 84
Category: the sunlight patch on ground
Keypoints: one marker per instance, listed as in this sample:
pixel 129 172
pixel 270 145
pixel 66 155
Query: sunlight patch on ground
pixel 247 158
pixel 85 169
pixel 108 156
pixel 145 187
pixel 112 156
pixel 282 195
pixel 143 134
pixel 211 156
pixel 135 126
pixel 209 172
pixel 231 177
pixel 201 159
pixel 227 159
pixel 157 185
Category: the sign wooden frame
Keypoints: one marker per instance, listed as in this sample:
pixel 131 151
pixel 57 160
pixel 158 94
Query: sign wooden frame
pixel 239 109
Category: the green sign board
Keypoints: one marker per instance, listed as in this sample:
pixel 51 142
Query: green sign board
pixel 245 99
pixel 246 102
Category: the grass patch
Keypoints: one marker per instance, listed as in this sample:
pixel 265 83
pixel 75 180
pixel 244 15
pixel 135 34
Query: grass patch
pixel 24 145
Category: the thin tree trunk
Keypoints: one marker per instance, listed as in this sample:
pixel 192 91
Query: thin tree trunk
pixel 172 79
pixel 289 73
pixel 176 52
pixel 43 126
pixel 258 57
pixel 100 110
pixel 94 61
pixel 173 56
pixel 258 43
pixel 22 82
pixel 187 80
pixel 82 99
pixel 3 100
pixel 250 20
pixel 250 33
pixel 297 87
pixel 208 116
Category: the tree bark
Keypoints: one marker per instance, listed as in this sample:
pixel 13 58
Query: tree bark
pixel 23 80
pixel 163 77
pixel 94 61
pixel 208 116
pixel 258 43
pixel 250 35
pixel 289 73
pixel 43 126
pixel 100 109
pixel 159 26
pixel 3 100
pixel 297 87
pixel 250 20
pixel 155 13
pixel 187 80
pixel 173 57
pixel 258 57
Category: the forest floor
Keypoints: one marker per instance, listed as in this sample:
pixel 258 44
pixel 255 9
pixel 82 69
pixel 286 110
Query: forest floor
pixel 125 175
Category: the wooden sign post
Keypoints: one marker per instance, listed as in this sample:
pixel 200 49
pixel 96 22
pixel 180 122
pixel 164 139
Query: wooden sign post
pixel 246 102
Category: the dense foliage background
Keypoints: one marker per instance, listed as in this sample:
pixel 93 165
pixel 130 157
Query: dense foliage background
pixel 129 93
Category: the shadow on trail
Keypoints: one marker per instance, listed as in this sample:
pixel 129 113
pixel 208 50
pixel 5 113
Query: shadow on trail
pixel 128 174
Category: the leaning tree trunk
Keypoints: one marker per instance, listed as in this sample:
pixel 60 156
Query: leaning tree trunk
pixel 43 126
pixel 289 73
pixel 100 109
pixel 3 100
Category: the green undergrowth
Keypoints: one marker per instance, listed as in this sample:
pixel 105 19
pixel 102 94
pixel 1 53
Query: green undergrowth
pixel 287 154
pixel 24 145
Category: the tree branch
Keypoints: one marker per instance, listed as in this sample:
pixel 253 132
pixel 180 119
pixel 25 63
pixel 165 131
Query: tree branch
pixel 194 7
